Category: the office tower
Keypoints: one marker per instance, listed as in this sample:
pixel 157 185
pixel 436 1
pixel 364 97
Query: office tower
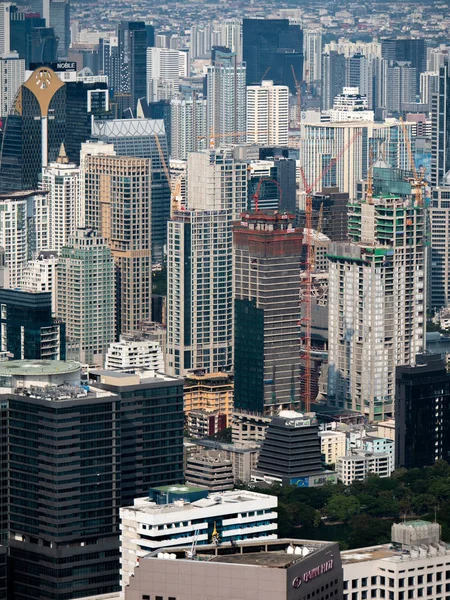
pixel 12 69
pixel 429 81
pixel 200 41
pixel 78 552
pixel 62 181
pixel 267 263
pixel 413 51
pixel 351 142
pixel 422 410
pixel 359 73
pixel 23 229
pixel 86 99
pixel 199 265
pixel 133 352
pixel 86 296
pixel 376 306
pixel 333 77
pixel 284 564
pixel 188 126
pixel 268 114
pixel 39 275
pixel 278 194
pixel 5 29
pixel 118 205
pixel 440 123
pixel 133 59
pixel 333 206
pixel 60 21
pixel 272 44
pixel 158 110
pixel 232 36
pixel 110 62
pixel 145 520
pixel 137 138
pixel 28 330
pixel 30 138
pixel 312 49
pixel 163 65
pixel 44 46
pixel 439 235
pixel 400 86
pixel 226 100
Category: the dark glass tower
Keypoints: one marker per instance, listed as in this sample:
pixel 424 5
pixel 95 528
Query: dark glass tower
pixel 272 47
pixel 3 587
pixel 333 78
pixel 422 413
pixel 30 331
pixel 133 60
pixel 407 50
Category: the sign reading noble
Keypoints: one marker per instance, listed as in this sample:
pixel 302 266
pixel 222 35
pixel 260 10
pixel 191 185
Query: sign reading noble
pixel 313 573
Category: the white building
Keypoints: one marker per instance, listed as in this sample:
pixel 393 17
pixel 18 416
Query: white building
pixel 188 126
pixel 132 353
pixel 350 106
pixel 12 75
pixel 5 28
pixel 357 465
pixel 39 275
pixel 226 96
pixel 232 36
pixel 429 83
pixel 23 230
pixel 151 525
pixel 163 65
pixel 349 49
pixel 376 305
pixel 312 51
pixel 439 215
pixel 415 565
pixel 89 149
pixel 62 181
pixel 333 445
pixel 268 114
pixel 349 143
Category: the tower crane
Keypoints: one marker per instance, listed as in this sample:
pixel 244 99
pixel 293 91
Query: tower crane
pixel 308 235
pixel 255 196
pixel 417 181
pixel 175 187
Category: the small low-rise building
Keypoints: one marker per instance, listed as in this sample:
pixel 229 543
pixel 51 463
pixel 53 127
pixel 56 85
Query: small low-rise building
pixel 357 465
pixel 333 445
pixel 210 468
pixel 201 423
pixel 212 392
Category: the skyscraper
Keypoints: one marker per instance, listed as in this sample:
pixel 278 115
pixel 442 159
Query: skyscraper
pixel 86 296
pixel 28 329
pixel 312 48
pixel 188 130
pixel 12 69
pixel 272 45
pixel 409 50
pixel 333 77
pixel 422 413
pixel 359 74
pixel 440 124
pixel 133 58
pixel 60 21
pixel 118 204
pixel 226 100
pixel 62 181
pixel 267 263
pixel 439 237
pixel 199 265
pixel 377 303
pixel 162 65
pixel 268 114
pixel 5 28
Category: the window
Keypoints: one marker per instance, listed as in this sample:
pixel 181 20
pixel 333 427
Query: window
pixel 145 597
pixel 354 583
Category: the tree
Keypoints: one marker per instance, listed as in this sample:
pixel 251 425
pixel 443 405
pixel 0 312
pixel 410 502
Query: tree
pixel 342 508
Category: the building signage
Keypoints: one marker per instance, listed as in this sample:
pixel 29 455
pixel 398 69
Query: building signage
pixel 313 573
pixel 298 423
pixel 60 66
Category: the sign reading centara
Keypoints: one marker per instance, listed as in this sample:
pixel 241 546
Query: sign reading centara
pixel 313 573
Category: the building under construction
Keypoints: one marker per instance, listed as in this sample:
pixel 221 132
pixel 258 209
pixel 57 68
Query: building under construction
pixel 267 340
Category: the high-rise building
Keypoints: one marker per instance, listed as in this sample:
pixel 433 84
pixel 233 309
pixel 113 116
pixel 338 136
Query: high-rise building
pixel 28 330
pixel 199 265
pixel 60 21
pixel 118 204
pixel 133 352
pixel 333 77
pixel 232 36
pixel 422 411
pixel 359 73
pixel 409 50
pixel 5 28
pixel 274 44
pixel 439 237
pixel 78 552
pixel 268 114
pixel 275 180
pixel 376 304
pixel 401 86
pixel 39 275
pixel 85 296
pixel 226 100
pixel 23 230
pixel 12 69
pixel 163 65
pixel 312 49
pixel 109 62
pixel 188 130
pixel 133 44
pixel 440 123
pixel 61 180
pixel 137 138
pixel 267 263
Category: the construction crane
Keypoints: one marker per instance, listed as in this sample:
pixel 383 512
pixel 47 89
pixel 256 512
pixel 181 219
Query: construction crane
pixel 318 230
pixel 298 87
pixel 255 196
pixel 231 134
pixel 417 181
pixel 191 553
pixel 175 188
pixel 308 236
pixel 265 73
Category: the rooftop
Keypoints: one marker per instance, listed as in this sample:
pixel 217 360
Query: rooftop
pixel 393 553
pixel 38 367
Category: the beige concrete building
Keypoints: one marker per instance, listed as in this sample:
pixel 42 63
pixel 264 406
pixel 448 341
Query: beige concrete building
pixel 211 392
pixel 211 469
pixel 333 445
pixel 118 200
pixel 268 570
